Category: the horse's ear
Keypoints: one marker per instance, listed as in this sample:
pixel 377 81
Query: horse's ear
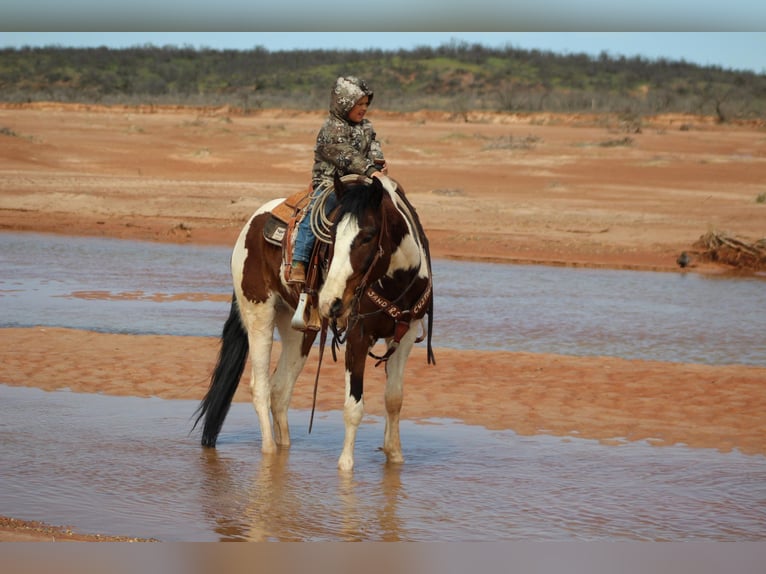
pixel 339 187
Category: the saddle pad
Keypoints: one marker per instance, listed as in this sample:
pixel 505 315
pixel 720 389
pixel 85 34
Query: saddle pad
pixel 274 230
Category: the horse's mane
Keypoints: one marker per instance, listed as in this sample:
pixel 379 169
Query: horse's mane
pixel 358 198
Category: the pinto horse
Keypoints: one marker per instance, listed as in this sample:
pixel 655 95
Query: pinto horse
pixel 376 284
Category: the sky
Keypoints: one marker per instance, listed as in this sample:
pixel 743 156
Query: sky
pixel 390 15
pixel 732 50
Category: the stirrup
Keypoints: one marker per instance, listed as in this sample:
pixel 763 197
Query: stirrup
pixel 306 316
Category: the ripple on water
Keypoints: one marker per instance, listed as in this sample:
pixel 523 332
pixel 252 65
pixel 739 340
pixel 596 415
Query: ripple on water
pixel 128 466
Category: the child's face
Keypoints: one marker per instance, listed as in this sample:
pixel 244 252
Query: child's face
pixel 356 114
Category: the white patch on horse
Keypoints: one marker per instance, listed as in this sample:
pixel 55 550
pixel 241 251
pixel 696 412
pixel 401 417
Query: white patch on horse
pixel 239 254
pixel 406 256
pixel 353 411
pixel 340 269
pixel 410 253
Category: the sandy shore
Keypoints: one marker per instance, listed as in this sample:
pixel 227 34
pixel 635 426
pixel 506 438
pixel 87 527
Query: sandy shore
pixel 569 190
pixel 574 190
pixel 604 398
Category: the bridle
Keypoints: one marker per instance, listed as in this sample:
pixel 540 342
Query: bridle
pixel 401 317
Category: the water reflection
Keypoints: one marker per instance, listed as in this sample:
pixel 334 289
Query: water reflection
pixel 290 497
pixel 128 466
pixel 136 287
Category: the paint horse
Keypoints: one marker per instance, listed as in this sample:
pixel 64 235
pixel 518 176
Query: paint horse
pixel 376 284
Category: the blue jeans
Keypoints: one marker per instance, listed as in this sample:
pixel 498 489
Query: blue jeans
pixel 304 240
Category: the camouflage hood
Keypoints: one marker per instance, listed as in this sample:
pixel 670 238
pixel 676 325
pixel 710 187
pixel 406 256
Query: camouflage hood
pixel 345 94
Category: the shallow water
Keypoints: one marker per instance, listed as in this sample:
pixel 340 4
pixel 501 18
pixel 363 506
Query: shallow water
pixel 138 287
pixel 128 466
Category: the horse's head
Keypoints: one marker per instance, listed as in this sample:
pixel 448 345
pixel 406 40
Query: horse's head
pixel 372 237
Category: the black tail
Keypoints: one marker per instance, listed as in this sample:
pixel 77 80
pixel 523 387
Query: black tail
pixel 228 371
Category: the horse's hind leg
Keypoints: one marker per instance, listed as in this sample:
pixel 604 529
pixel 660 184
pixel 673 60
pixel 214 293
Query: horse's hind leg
pixel 394 394
pixel 259 320
pixel 291 362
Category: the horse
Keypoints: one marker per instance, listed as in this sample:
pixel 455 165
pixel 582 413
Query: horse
pixel 375 284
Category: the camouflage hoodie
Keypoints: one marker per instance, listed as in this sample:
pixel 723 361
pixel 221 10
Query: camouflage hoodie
pixel 341 145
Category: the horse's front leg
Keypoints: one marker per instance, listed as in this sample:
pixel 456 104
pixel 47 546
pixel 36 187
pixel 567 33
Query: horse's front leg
pixel 394 395
pixel 353 407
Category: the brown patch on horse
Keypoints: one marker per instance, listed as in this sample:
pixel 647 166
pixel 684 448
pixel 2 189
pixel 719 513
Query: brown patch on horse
pixel 260 274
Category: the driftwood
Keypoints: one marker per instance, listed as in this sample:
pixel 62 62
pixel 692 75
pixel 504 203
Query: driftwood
pixel 722 248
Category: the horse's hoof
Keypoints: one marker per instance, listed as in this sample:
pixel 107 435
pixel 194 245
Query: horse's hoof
pixel 269 448
pixel 394 459
pixel 345 463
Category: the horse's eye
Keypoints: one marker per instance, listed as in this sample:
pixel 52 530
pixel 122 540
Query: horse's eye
pixel 366 236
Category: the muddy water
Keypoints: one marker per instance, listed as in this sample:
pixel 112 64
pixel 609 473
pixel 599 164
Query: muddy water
pixel 128 466
pixel 137 287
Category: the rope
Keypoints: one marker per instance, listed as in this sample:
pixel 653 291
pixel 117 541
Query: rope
pixel 321 225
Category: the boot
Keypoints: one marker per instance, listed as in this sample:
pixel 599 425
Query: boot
pixel 297 273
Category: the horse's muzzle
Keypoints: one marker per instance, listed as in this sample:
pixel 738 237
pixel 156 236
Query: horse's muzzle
pixel 336 309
